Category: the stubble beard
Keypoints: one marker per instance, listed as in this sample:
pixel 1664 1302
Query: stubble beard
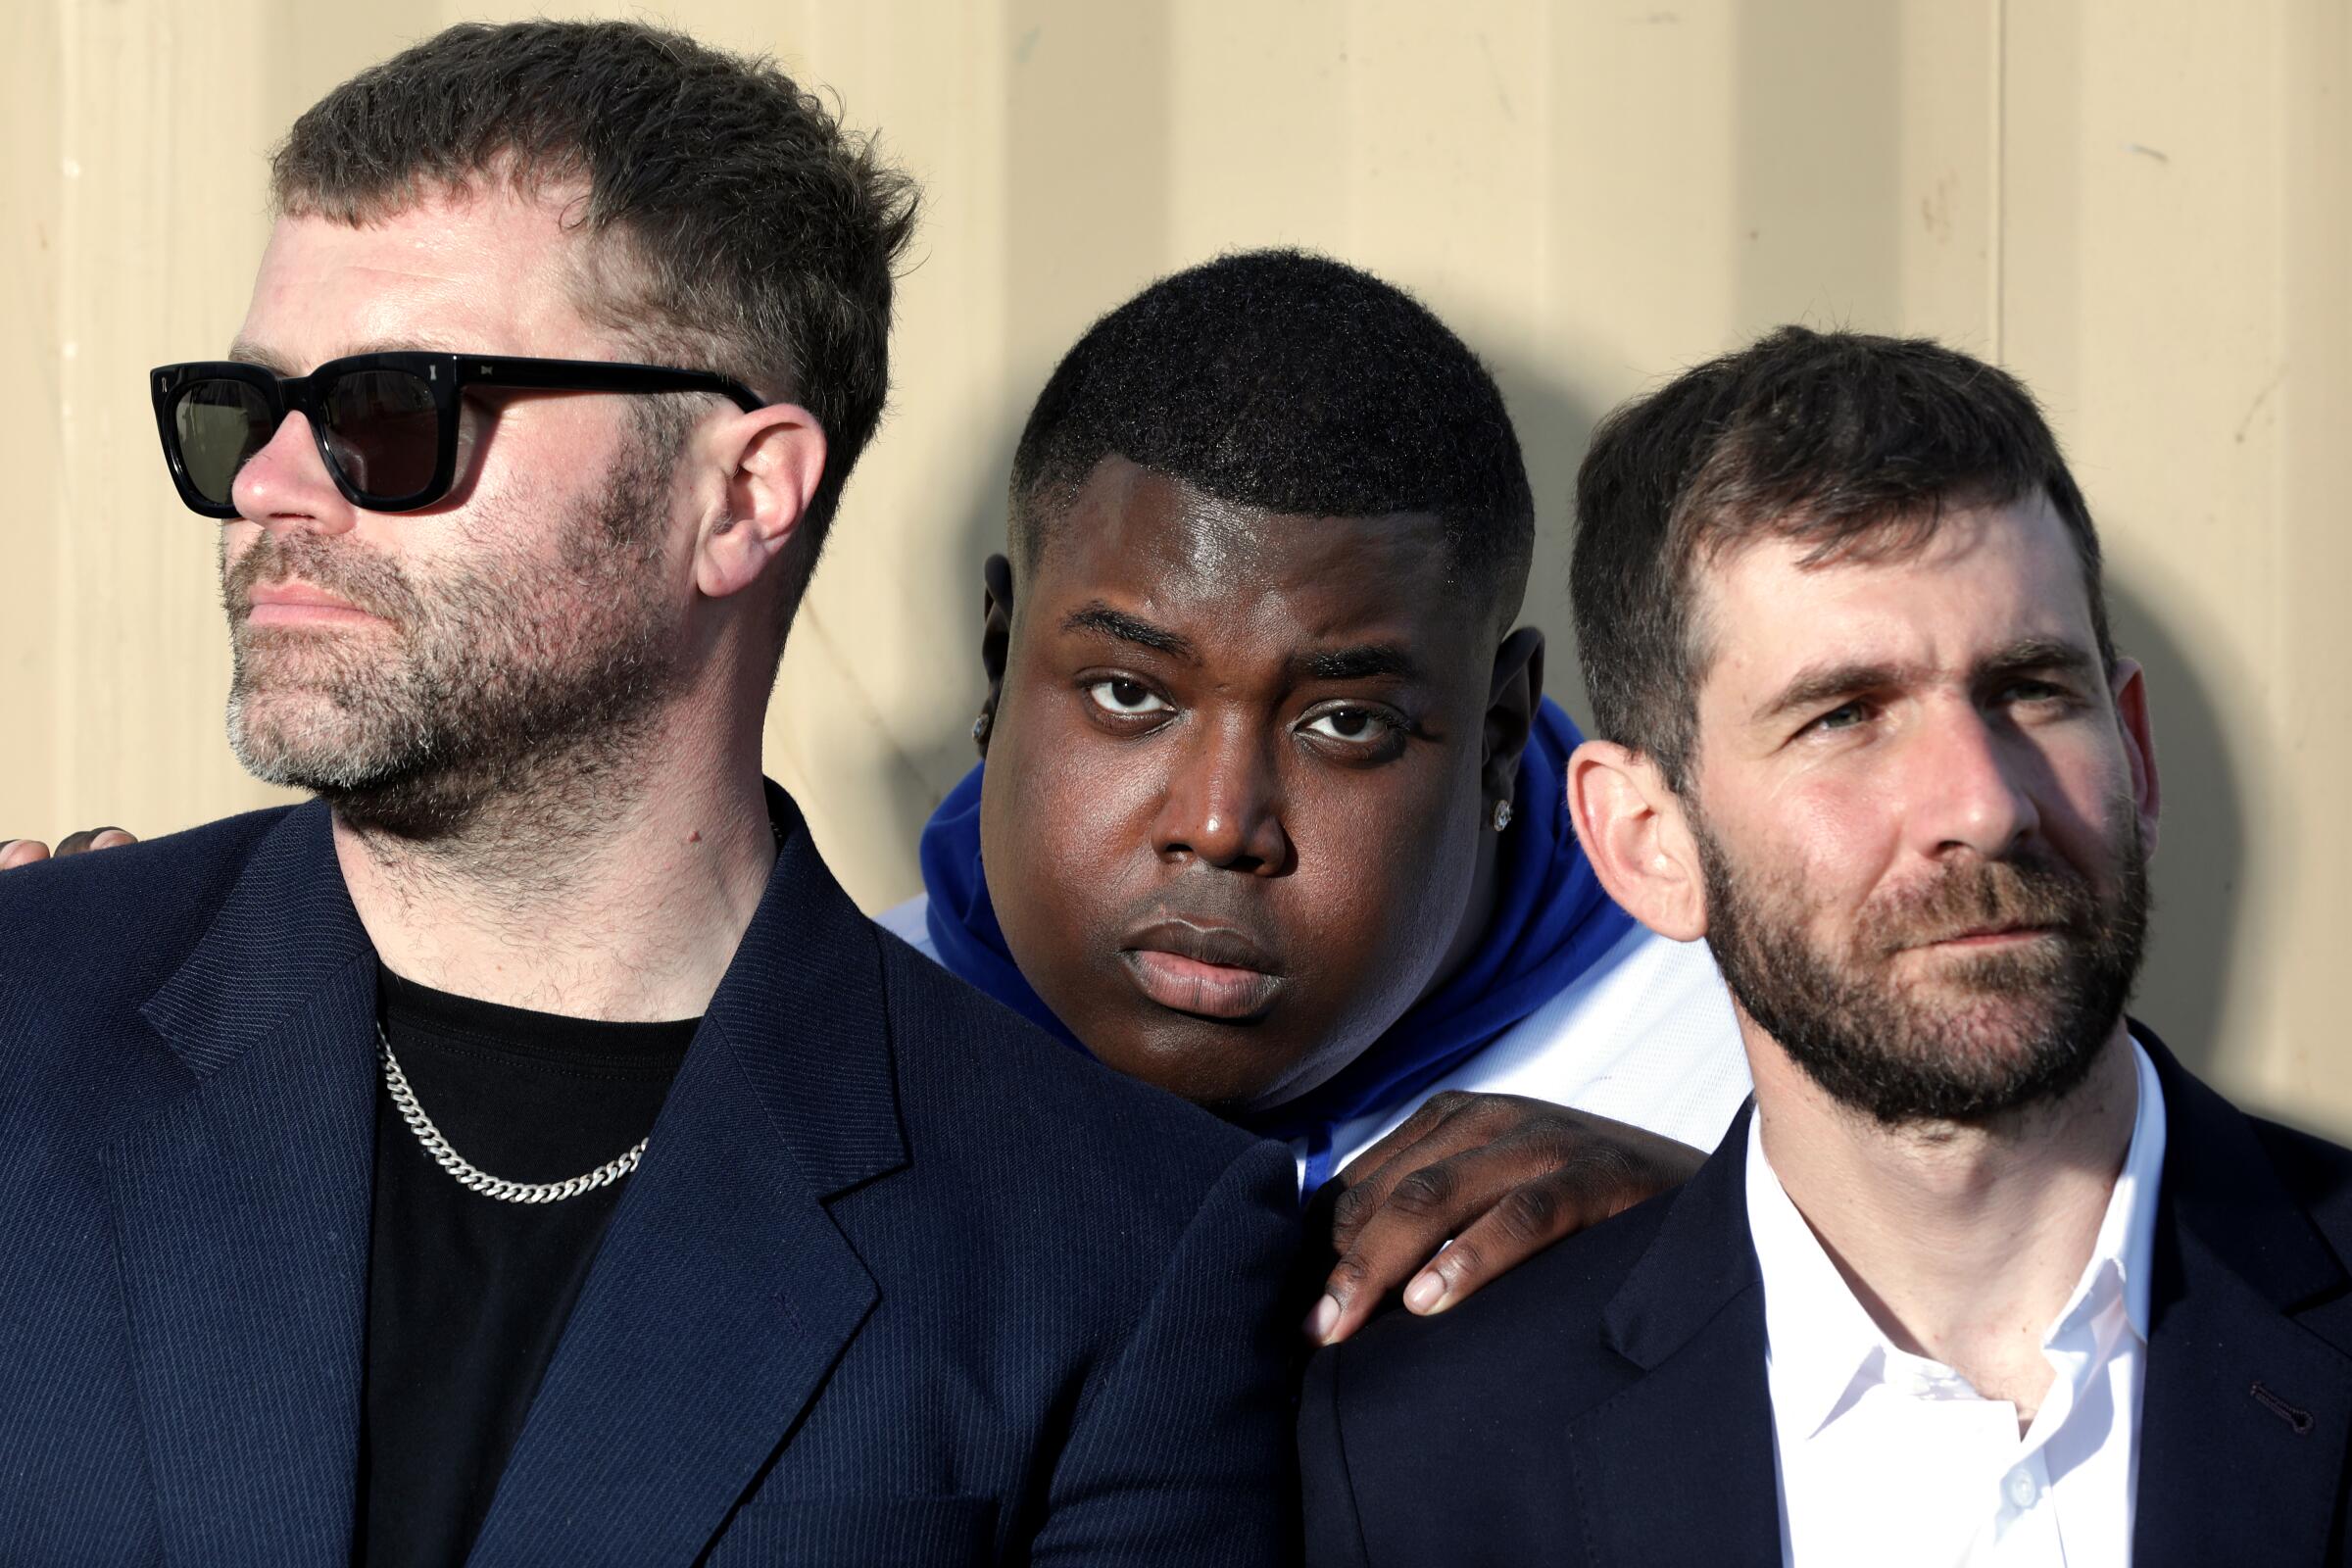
pixel 1978 1037
pixel 508 694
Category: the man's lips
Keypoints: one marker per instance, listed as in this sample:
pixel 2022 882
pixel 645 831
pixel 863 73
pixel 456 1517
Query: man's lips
pixel 297 603
pixel 1990 936
pixel 1215 971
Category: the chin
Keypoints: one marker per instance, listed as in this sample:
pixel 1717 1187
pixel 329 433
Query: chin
pixel 297 742
pixel 1221 1068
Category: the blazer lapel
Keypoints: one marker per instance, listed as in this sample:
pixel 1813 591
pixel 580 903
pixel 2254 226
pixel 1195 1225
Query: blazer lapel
pixel 1679 1466
pixel 2246 1414
pixel 241 1207
pixel 724 1293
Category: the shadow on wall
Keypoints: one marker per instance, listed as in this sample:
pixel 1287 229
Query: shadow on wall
pixel 2200 869
pixel 1087 226
pixel 1554 427
pixel 931 760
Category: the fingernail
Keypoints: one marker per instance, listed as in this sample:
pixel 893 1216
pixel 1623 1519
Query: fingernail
pixel 1323 1319
pixel 1426 1294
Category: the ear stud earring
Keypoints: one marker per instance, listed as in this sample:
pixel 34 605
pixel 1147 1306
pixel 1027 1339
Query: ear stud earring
pixel 980 727
pixel 1502 816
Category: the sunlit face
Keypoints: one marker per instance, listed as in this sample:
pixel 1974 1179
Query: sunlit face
pixel 1923 808
pixel 1232 814
pixel 516 635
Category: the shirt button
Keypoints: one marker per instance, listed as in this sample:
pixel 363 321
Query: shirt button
pixel 2022 1490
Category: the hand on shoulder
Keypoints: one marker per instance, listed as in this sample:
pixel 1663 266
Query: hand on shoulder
pixel 24 852
pixel 1471 1185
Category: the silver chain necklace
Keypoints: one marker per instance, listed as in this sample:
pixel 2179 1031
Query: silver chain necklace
pixel 477 1179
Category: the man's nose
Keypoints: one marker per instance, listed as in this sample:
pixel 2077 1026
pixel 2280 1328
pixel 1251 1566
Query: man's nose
pixel 287 485
pixel 1971 785
pixel 1223 804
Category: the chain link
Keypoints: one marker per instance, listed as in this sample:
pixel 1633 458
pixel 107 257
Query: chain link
pixel 403 1098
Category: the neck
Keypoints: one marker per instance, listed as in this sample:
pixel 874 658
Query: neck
pixel 620 897
pixel 1963 1241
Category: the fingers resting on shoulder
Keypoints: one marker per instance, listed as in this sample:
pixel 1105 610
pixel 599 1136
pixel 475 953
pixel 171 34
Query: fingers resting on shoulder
pixel 24 852
pixel 1469 1187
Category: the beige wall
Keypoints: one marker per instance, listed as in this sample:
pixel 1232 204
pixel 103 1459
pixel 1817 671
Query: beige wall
pixel 2143 206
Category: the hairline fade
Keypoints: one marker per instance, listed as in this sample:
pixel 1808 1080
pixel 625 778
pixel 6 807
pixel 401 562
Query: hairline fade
pixel 1295 384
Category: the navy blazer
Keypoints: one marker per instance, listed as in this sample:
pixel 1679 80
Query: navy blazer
pixel 1606 1402
pixel 900 1279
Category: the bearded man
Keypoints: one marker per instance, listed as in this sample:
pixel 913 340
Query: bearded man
pixel 525 1152
pixel 1985 1276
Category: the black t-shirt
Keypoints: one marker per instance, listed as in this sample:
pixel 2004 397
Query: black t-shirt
pixel 467 1294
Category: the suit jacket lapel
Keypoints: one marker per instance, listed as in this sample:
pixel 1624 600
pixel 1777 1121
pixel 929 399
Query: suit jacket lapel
pixel 724 1293
pixel 241 1208
pixel 1678 1466
pixel 2246 1414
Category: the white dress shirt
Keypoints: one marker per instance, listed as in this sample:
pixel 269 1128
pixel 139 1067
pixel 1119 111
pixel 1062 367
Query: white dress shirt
pixel 1645 1035
pixel 1889 1457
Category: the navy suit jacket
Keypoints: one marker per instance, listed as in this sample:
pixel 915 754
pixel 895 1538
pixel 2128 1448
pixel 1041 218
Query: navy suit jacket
pixel 1606 1402
pixel 900 1279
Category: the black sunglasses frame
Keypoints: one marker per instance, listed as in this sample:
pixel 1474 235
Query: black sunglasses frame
pixel 445 376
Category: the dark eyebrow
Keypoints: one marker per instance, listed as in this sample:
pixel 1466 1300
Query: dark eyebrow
pixel 2052 654
pixel 1830 683
pixel 1100 618
pixel 1823 683
pixel 1360 663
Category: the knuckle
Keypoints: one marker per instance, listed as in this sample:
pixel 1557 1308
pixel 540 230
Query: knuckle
pixel 1465 1262
pixel 1616 1176
pixel 1532 1214
pixel 1438 1107
pixel 1426 1192
pixel 1352 1210
pixel 1592 1164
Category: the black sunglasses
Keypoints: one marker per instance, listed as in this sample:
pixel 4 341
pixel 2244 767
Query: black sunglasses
pixel 386 424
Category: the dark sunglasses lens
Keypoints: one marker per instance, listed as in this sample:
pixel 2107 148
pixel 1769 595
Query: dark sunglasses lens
pixel 220 424
pixel 382 427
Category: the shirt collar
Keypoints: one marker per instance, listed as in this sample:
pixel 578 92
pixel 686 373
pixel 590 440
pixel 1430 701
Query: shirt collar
pixel 1821 1340
pixel 2128 1232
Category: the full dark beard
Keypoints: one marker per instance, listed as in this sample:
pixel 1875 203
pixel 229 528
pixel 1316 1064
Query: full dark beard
pixel 1993 1032
pixel 516 683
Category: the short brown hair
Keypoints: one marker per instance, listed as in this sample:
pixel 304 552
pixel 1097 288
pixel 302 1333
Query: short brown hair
pixel 748 232
pixel 1850 443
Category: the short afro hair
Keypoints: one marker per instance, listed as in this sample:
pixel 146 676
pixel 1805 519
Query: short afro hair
pixel 1296 384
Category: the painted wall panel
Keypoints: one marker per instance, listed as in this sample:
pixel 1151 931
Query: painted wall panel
pixel 2145 208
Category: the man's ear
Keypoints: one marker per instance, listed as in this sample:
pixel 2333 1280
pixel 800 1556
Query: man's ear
pixel 996 639
pixel 769 463
pixel 1516 688
pixel 2129 686
pixel 1634 830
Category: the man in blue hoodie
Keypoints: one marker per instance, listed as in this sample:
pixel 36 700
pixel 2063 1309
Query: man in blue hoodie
pixel 1271 814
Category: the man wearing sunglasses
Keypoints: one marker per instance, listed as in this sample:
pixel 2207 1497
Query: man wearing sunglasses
pixel 525 1151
